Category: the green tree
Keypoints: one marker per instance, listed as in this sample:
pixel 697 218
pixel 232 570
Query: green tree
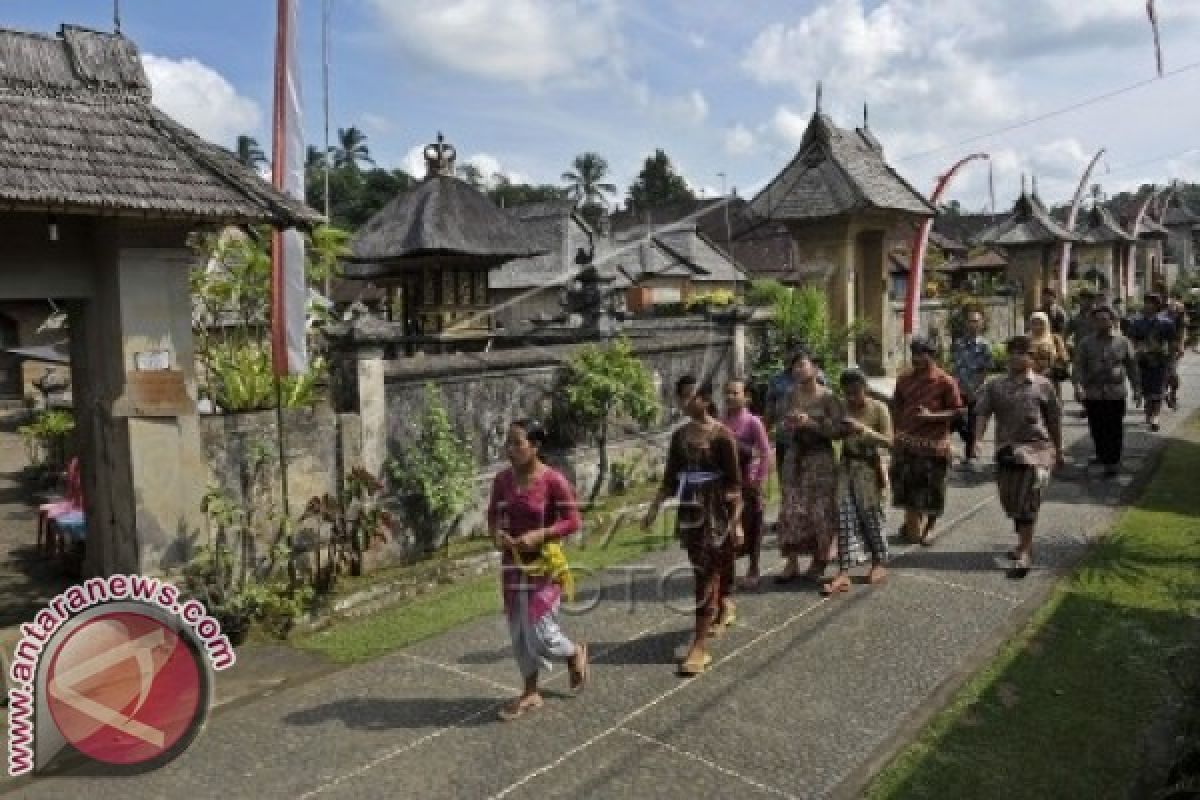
pixel 602 385
pixel 434 475
pixel 586 184
pixel 658 185
pixel 351 150
pixel 314 158
pixel 249 152
pixel 800 319
pixel 507 194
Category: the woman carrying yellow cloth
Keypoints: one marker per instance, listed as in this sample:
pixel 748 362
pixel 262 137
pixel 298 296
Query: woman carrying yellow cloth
pixel 532 507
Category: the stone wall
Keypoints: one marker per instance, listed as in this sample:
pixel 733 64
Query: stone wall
pixel 234 443
pixel 1005 318
pixel 484 392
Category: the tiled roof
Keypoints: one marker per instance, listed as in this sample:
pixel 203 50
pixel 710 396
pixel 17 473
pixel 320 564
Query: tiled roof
pixel 836 172
pixel 1028 223
pixel 1100 227
pixel 555 228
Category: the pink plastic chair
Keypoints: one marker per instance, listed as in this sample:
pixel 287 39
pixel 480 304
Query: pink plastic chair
pixel 70 503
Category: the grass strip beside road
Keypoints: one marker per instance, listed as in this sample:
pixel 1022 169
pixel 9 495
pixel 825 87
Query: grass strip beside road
pixel 1062 710
pixel 352 641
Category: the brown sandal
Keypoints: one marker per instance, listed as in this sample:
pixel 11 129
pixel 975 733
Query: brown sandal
pixel 579 677
pixel 839 584
pixel 691 667
pixel 519 708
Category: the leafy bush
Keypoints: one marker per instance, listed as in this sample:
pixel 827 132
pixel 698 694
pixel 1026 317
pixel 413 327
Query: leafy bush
pixel 602 385
pixel 434 475
pixel 355 519
pixel 237 587
pixel 999 357
pixel 47 436
pixel 243 379
pixel 801 319
pixel 717 298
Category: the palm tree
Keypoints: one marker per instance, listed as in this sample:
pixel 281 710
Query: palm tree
pixel 351 148
pixel 249 152
pixel 314 158
pixel 586 184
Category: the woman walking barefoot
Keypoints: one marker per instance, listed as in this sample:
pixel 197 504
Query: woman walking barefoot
pixel 702 472
pixel 808 513
pixel 532 506
pixel 868 428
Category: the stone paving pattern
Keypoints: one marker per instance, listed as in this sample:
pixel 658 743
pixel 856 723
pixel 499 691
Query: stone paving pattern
pixel 806 696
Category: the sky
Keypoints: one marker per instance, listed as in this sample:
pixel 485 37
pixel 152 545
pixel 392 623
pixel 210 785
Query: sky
pixel 726 88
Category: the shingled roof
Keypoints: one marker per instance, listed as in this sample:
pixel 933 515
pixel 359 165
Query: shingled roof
pixel 1028 223
pixel 550 226
pixel 79 133
pixel 1100 227
pixel 837 172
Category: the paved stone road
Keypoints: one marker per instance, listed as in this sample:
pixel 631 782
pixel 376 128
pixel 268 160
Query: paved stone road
pixel 805 696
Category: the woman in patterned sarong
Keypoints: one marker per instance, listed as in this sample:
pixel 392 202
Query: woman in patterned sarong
pixel 808 513
pixel 702 473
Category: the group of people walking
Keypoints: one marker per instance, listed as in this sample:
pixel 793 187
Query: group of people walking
pixel 832 508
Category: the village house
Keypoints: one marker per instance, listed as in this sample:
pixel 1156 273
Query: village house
pixel 1183 236
pixel 1032 240
pixel 1100 259
pixel 840 200
pixel 668 267
pixel 99 192
pixel 531 288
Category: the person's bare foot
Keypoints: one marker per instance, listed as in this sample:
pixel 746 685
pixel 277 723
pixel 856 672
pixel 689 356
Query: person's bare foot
pixel 521 706
pixel 877 575
pixel 839 584
pixel 749 582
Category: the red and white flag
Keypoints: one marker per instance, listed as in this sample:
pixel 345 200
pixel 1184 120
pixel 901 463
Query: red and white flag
pixel 289 290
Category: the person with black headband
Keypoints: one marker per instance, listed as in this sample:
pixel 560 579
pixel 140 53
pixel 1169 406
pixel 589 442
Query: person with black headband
pixel 702 473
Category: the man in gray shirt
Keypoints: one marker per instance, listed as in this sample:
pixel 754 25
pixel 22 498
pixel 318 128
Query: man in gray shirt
pixel 1104 362
pixel 1028 441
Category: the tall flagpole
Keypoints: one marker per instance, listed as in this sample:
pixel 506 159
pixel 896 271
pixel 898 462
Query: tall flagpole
pixel 278 167
pixel 1064 260
pixel 916 269
pixel 326 6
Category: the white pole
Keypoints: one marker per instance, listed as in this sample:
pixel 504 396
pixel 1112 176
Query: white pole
pixel 325 9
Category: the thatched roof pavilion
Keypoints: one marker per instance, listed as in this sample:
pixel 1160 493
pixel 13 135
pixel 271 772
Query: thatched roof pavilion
pixel 442 222
pixel 437 242
pixel 79 134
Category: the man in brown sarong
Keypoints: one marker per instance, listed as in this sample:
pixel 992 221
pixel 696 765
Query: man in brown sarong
pixel 1028 441
pixel 924 406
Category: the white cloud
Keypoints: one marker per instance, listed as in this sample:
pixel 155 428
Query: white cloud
pixel 689 109
pixel 739 140
pixel 518 41
pixel 789 125
pixel 902 57
pixel 376 124
pixel 200 98
pixel 697 40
